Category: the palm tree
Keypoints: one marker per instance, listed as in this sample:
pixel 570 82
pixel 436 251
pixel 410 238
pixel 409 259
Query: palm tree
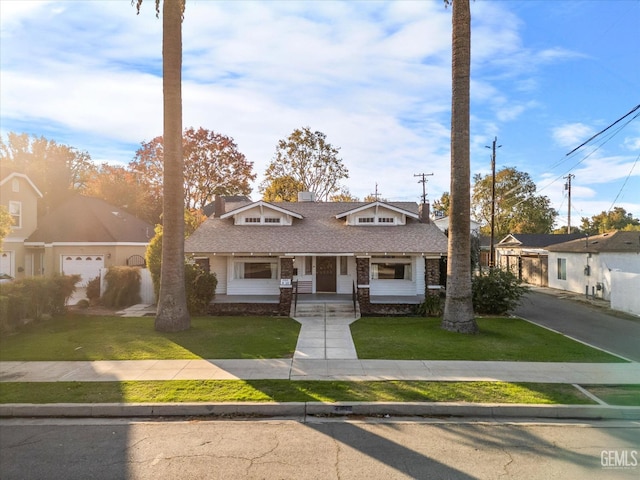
pixel 172 314
pixel 458 308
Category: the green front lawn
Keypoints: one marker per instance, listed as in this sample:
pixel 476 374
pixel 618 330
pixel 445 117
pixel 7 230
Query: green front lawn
pixel 79 337
pixel 505 339
pixel 289 391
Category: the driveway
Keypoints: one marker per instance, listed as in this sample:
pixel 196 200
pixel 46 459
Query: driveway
pixel 595 325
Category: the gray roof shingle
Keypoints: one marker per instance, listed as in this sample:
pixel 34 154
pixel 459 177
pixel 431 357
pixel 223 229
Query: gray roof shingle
pixel 90 220
pixel 318 232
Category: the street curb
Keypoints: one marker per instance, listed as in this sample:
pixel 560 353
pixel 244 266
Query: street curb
pixel 303 409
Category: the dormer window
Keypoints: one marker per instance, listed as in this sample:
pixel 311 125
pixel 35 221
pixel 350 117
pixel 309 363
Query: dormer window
pixel 385 220
pixel 271 219
pixel 252 220
pixel 365 220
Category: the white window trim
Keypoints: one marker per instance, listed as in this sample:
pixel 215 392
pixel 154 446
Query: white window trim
pixel 18 224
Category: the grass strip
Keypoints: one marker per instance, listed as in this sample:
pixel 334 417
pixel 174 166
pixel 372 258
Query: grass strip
pixel 80 337
pixel 621 395
pixel 288 391
pixel 500 339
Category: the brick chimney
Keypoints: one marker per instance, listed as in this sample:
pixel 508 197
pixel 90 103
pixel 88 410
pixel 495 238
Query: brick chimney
pixel 219 205
pixel 423 213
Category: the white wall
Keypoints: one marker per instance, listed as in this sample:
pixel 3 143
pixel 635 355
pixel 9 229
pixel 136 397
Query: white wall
pixel 624 292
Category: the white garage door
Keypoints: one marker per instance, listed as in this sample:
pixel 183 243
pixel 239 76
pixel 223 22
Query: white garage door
pixel 87 266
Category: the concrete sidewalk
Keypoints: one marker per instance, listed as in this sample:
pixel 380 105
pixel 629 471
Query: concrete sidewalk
pixel 325 351
pixel 321 369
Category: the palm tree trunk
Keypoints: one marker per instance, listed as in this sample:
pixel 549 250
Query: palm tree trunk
pixel 458 308
pixel 172 314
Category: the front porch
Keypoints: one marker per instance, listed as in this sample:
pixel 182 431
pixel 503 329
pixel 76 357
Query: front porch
pixel 270 304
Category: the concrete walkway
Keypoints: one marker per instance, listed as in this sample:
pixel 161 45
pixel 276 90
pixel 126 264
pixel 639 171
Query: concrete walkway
pixel 320 369
pixel 325 338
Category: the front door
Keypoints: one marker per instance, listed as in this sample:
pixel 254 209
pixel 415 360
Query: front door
pixel 326 274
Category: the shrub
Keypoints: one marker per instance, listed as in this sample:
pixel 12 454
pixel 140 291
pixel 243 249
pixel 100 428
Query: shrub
pixel 153 257
pixel 93 290
pixel 123 287
pixel 496 292
pixel 200 288
pixel 432 306
pixel 34 298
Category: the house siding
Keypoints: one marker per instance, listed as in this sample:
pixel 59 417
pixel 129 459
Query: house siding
pixel 218 265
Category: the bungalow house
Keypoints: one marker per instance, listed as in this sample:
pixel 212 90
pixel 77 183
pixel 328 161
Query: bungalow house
pixel 81 236
pixel 589 264
pixel 525 254
pixel 384 255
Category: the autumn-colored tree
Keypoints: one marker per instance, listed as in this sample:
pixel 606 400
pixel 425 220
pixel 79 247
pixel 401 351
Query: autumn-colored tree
pixel 282 189
pixel 458 315
pixel 57 170
pixel 343 196
pixel 517 207
pixel 308 159
pixel 212 166
pixel 6 221
pixel 616 219
pixel 119 186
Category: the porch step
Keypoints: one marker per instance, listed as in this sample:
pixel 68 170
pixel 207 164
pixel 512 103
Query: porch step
pixel 328 310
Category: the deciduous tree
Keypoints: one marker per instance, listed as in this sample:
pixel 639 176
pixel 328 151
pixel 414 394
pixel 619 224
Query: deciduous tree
pixel 616 219
pixel 57 170
pixel 517 207
pixel 213 165
pixel 308 159
pixel 120 186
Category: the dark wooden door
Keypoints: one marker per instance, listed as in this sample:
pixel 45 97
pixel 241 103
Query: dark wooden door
pixel 326 274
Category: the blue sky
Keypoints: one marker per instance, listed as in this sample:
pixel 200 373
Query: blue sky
pixel 373 76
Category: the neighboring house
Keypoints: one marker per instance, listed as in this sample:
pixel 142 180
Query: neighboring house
pixel 84 235
pixel 20 196
pixel 526 255
pixel 443 224
pixel 587 265
pixel 81 236
pixel 386 254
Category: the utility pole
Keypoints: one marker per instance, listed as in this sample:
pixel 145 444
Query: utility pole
pixel 423 181
pixel 567 187
pixel 493 199
pixel 376 195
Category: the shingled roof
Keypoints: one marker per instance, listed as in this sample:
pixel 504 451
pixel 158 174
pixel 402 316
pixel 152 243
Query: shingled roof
pixel 318 231
pixel 606 242
pixel 536 240
pixel 90 220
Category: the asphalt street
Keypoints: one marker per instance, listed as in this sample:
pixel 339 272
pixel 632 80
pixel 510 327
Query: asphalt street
pixel 325 449
pixel 588 323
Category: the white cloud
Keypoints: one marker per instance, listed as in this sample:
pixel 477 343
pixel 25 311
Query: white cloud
pixel 571 135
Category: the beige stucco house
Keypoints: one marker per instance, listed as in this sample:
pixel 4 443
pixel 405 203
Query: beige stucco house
pixel 81 236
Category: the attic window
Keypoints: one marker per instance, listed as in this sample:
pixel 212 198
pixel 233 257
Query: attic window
pixel 252 220
pixel 272 220
pixel 385 220
pixel 365 220
pixel 15 185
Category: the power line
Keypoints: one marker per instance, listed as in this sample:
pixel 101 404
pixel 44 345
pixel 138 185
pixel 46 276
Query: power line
pixel 624 183
pixel 637 107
